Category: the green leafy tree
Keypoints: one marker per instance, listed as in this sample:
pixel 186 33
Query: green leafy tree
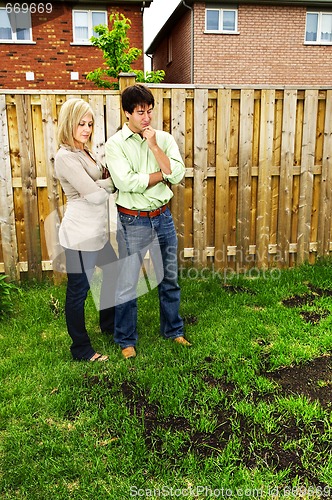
pixel 118 56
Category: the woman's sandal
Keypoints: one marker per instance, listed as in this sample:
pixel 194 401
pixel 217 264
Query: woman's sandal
pixel 98 357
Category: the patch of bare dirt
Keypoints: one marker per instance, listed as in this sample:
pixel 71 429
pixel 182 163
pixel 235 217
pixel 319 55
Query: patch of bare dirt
pixel 308 299
pixel 258 447
pixel 281 449
pixel 312 380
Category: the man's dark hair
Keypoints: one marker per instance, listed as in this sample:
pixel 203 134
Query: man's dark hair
pixel 136 95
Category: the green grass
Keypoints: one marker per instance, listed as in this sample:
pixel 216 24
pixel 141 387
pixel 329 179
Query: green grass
pixel 174 422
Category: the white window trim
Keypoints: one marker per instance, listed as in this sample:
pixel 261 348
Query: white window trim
pixel 90 27
pixel 221 11
pixel 319 23
pixel 14 39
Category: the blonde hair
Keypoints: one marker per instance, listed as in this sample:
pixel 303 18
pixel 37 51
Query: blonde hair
pixel 71 113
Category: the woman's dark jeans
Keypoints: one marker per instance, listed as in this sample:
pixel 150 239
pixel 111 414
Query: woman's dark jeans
pixel 80 268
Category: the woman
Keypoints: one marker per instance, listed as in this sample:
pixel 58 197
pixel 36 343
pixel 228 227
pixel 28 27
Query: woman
pixel 84 228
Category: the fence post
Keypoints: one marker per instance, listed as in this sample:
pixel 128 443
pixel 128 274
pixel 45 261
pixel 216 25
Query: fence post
pixel 125 79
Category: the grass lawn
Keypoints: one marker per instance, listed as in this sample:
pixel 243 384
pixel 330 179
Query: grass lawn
pixel 244 413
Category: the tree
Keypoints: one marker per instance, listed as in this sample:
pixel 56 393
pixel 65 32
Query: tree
pixel 118 56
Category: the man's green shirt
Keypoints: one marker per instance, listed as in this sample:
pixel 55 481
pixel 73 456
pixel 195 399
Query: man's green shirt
pixel 130 161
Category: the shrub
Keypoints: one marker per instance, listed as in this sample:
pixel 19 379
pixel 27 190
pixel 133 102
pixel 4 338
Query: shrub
pixel 6 290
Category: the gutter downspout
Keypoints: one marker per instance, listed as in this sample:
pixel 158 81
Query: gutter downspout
pixel 143 54
pixel 191 42
pixel 151 61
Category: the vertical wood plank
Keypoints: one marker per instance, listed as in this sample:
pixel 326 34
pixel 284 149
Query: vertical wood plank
pixel 244 182
pixel 29 187
pixel 200 173
pixel 325 206
pixel 211 169
pixel 7 215
pixel 306 178
pixel 189 160
pixel 224 102
pixel 54 192
pixel 276 160
pixel 178 118
pixel 113 114
pixel 264 177
pixel 99 134
pixel 158 109
pixel 286 175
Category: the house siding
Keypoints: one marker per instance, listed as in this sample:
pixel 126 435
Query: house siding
pixel 52 58
pixel 268 49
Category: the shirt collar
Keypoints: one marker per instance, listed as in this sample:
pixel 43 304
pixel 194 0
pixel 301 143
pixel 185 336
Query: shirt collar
pixel 129 133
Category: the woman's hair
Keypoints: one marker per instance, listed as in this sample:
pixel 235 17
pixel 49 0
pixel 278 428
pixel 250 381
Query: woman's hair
pixel 136 95
pixel 71 113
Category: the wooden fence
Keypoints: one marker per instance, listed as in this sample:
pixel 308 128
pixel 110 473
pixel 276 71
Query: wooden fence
pixel 257 189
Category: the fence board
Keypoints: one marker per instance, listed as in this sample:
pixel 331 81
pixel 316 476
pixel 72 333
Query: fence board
pixel 54 193
pixel 189 160
pixel 325 206
pixel 158 109
pixel 29 188
pixel 211 172
pixel 306 180
pixel 264 176
pixel 275 174
pixel 97 104
pixel 286 175
pixel 113 114
pixel 200 173
pixel 245 176
pixel 233 181
pixel 7 217
pixel 178 113
pixel 222 176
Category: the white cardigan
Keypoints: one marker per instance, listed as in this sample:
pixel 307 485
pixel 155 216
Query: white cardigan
pixel 85 222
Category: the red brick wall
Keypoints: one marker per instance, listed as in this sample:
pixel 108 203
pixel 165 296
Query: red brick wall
pixel 52 58
pixel 269 49
pixel 178 71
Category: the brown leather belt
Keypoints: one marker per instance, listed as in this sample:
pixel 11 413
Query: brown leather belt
pixel 142 213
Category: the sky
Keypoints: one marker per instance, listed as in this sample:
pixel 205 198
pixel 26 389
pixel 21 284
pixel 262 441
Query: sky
pixel 154 18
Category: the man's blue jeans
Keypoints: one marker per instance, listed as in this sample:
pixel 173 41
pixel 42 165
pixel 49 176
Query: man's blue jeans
pixel 135 236
pixel 80 268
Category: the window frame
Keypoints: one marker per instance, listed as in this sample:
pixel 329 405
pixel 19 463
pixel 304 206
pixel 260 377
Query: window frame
pixel 319 41
pixel 90 25
pixel 169 50
pixel 14 23
pixel 221 11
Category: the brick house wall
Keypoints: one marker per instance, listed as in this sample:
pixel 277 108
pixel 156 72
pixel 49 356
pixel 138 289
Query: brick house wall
pixel 269 49
pixel 52 58
pixel 179 69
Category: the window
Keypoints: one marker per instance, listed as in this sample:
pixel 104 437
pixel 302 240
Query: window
pixel 83 23
pixel 169 50
pixel 15 27
pixel 221 20
pixel 319 27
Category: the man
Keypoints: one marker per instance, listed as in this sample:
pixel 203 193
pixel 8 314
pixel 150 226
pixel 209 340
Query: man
pixel 141 161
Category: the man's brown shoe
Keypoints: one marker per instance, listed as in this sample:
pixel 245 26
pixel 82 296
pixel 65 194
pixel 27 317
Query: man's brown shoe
pixel 129 352
pixel 182 341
